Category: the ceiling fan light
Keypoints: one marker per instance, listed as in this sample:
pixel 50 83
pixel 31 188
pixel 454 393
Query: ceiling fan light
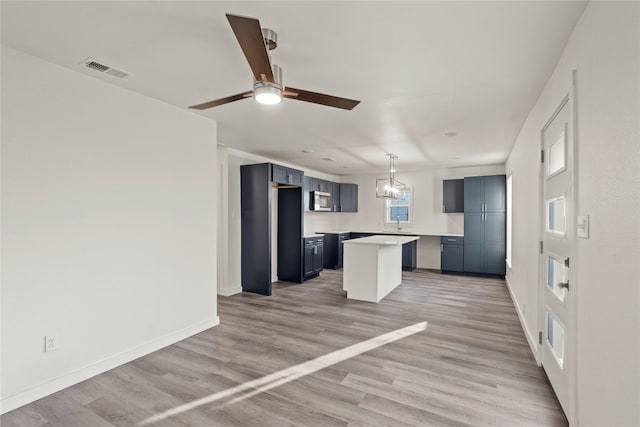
pixel 267 94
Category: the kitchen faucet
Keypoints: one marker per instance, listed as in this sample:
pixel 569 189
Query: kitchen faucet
pixel 398 223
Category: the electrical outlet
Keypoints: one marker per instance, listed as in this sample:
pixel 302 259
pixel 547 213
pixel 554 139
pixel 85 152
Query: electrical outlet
pixel 50 343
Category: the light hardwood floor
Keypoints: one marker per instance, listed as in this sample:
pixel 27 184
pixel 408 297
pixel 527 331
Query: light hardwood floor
pixel 471 366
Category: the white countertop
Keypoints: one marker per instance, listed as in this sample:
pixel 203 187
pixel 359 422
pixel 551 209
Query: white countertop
pixel 392 231
pixel 381 240
pixel 312 236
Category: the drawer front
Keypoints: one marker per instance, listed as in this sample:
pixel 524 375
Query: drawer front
pixel 312 241
pixel 452 240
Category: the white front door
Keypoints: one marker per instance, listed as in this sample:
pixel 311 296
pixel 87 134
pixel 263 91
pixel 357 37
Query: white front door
pixel 557 250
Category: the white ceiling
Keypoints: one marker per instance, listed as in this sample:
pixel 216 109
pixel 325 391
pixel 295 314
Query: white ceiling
pixel 419 68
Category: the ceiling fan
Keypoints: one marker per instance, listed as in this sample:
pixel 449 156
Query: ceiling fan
pixel 267 77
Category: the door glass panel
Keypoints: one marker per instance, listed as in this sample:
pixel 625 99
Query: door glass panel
pixel 556 215
pixel 555 339
pixel 556 274
pixel 556 155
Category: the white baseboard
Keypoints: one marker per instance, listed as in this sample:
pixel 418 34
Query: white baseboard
pixel 227 292
pixel 531 339
pixel 20 399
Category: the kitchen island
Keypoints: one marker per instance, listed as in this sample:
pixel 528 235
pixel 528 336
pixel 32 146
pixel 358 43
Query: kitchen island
pixel 373 266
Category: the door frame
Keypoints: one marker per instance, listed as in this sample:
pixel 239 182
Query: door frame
pixel 569 100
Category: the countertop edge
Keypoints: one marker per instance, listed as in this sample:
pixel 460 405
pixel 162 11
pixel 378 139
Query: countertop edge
pixel 401 233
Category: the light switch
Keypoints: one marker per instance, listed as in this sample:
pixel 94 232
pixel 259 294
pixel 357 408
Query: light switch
pixel 583 226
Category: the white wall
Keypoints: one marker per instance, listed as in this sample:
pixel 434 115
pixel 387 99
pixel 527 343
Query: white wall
pixel 605 51
pixel 427 207
pixel 223 220
pixel 108 226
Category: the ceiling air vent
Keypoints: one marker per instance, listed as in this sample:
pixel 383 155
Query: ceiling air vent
pixel 97 66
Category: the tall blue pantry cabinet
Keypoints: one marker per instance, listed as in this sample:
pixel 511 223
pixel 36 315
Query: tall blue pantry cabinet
pixel 256 182
pixel 484 225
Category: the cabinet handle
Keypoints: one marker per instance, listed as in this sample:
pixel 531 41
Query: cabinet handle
pixel 441 250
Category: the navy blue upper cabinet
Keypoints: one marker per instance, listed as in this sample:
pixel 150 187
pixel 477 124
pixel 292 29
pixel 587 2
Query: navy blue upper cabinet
pixel 306 192
pixel 453 196
pixel 474 194
pixel 348 197
pixel 484 224
pixel 334 189
pixel 485 193
pixel 287 176
pixel 318 184
pixel 495 193
pixel 344 197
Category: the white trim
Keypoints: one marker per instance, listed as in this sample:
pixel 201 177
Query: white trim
pixel 32 394
pixel 227 292
pixel 509 218
pixel 531 339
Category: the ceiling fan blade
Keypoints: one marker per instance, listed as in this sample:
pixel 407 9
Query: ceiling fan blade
pixel 249 35
pixel 320 98
pixel 222 101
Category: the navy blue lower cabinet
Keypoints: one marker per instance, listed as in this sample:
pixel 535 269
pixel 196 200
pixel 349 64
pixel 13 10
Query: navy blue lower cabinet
pixel 333 250
pixel 410 256
pixel 494 243
pixel 473 242
pixel 313 256
pixel 356 235
pixel 451 254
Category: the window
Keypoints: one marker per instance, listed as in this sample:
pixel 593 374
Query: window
pixel 509 219
pixel 556 215
pixel 399 210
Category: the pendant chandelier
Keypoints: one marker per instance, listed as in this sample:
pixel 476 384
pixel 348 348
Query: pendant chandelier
pixel 390 188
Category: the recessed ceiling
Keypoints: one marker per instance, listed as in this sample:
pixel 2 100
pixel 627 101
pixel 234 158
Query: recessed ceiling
pixel 421 69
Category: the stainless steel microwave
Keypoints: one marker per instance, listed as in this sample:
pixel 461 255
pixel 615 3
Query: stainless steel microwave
pixel 320 201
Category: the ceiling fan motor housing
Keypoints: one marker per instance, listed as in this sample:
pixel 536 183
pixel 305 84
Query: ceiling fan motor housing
pixel 270 38
pixel 267 88
pixel 277 79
